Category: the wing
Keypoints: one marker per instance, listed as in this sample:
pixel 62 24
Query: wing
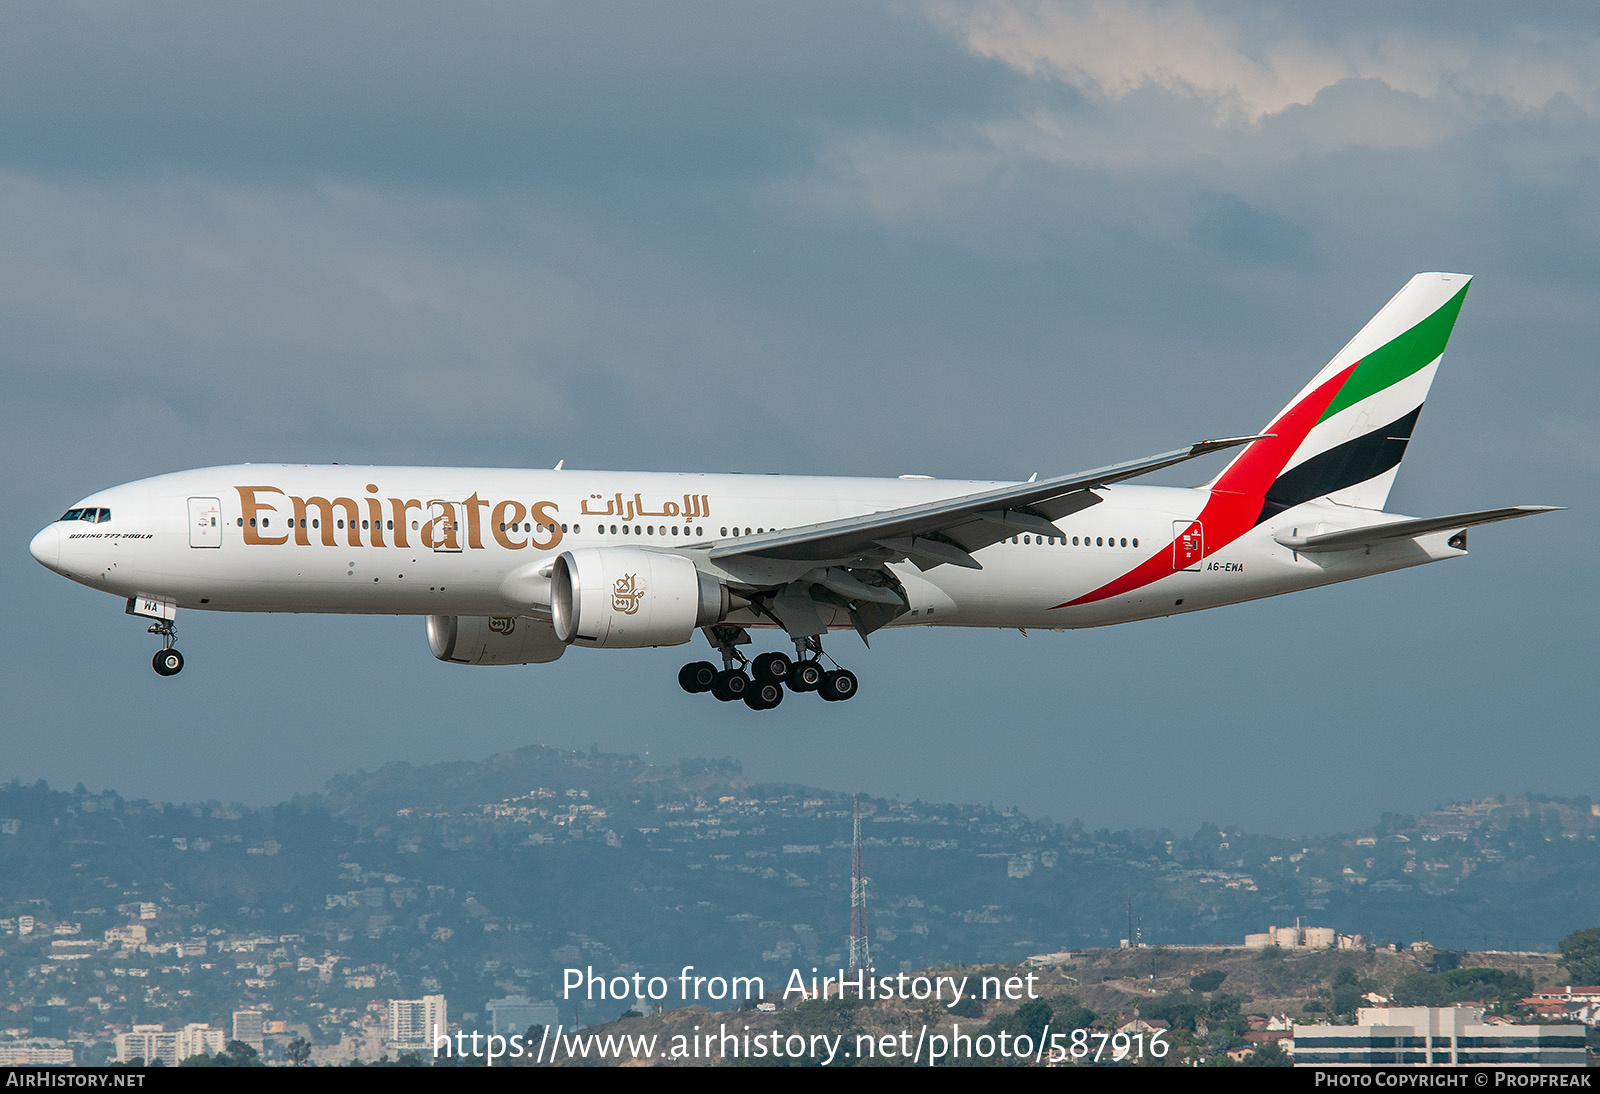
pixel 949 530
pixel 849 556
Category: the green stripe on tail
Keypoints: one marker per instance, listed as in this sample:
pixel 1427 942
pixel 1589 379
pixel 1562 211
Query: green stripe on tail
pixel 1394 361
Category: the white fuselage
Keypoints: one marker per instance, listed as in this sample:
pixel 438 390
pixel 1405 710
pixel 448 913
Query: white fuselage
pixel 462 541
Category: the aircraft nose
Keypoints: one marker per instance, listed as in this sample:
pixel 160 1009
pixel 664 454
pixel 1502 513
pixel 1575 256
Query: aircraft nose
pixel 46 547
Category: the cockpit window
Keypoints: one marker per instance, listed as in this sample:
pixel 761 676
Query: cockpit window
pixel 93 516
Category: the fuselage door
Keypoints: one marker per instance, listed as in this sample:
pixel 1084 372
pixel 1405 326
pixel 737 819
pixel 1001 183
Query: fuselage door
pixel 1188 544
pixel 443 532
pixel 205 522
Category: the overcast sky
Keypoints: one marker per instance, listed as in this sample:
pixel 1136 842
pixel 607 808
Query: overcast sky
pixel 966 240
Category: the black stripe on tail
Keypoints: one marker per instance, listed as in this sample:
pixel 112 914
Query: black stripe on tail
pixel 1354 461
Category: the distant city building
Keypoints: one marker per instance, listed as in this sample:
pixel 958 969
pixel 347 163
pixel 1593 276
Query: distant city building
pixel 49 1022
pixel 1417 1036
pixel 515 1013
pixel 249 1027
pixel 413 1023
pixel 134 934
pixel 35 1053
pixel 151 1043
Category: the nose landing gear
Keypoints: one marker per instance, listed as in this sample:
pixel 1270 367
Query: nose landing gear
pixel 167 661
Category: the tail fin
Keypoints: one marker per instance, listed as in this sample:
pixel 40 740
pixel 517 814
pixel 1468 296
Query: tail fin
pixel 1343 436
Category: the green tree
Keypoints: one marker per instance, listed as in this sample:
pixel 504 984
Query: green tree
pixel 1580 956
pixel 1346 994
pixel 299 1051
pixel 237 1054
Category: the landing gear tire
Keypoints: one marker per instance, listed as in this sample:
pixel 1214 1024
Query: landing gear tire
pixel 771 666
pixel 167 662
pixel 730 684
pixel 838 686
pixel 805 676
pixel 763 695
pixel 697 677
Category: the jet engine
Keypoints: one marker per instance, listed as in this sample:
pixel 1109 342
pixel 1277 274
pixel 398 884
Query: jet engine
pixel 492 640
pixel 626 597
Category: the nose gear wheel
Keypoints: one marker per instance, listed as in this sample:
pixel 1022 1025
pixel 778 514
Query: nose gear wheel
pixel 167 661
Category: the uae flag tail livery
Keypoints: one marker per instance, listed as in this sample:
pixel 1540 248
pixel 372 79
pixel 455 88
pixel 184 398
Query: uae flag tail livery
pixel 1331 455
pixel 515 567
pixel 1342 438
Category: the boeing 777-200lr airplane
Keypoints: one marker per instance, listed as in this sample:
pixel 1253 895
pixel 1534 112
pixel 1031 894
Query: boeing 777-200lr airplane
pixel 512 567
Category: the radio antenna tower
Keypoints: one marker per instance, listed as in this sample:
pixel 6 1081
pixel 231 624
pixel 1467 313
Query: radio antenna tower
pixel 860 958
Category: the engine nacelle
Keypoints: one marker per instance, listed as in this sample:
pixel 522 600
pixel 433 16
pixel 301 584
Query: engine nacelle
pixel 492 640
pixel 627 597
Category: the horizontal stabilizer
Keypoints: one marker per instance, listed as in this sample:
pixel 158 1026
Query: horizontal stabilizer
pixel 1374 534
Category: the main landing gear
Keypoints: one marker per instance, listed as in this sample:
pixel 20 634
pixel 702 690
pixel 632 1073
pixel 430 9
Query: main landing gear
pixel 167 661
pixel 762 687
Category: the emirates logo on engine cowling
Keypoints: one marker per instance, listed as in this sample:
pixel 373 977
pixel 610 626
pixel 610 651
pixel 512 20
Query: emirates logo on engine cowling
pixel 502 624
pixel 626 593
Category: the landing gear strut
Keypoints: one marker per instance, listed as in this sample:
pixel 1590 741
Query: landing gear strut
pixel 769 674
pixel 167 661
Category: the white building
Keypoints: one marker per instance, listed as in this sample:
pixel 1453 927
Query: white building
pixel 171 1047
pixel 35 1052
pixel 1387 1036
pixel 1303 938
pixel 414 1023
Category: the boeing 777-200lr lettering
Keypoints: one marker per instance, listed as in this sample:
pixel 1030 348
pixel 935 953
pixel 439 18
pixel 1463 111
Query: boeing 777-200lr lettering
pixel 513 567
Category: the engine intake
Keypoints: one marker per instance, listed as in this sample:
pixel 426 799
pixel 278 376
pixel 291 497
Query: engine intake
pixel 626 597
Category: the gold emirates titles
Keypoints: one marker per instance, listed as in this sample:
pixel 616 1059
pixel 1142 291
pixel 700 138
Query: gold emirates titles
pixel 441 529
